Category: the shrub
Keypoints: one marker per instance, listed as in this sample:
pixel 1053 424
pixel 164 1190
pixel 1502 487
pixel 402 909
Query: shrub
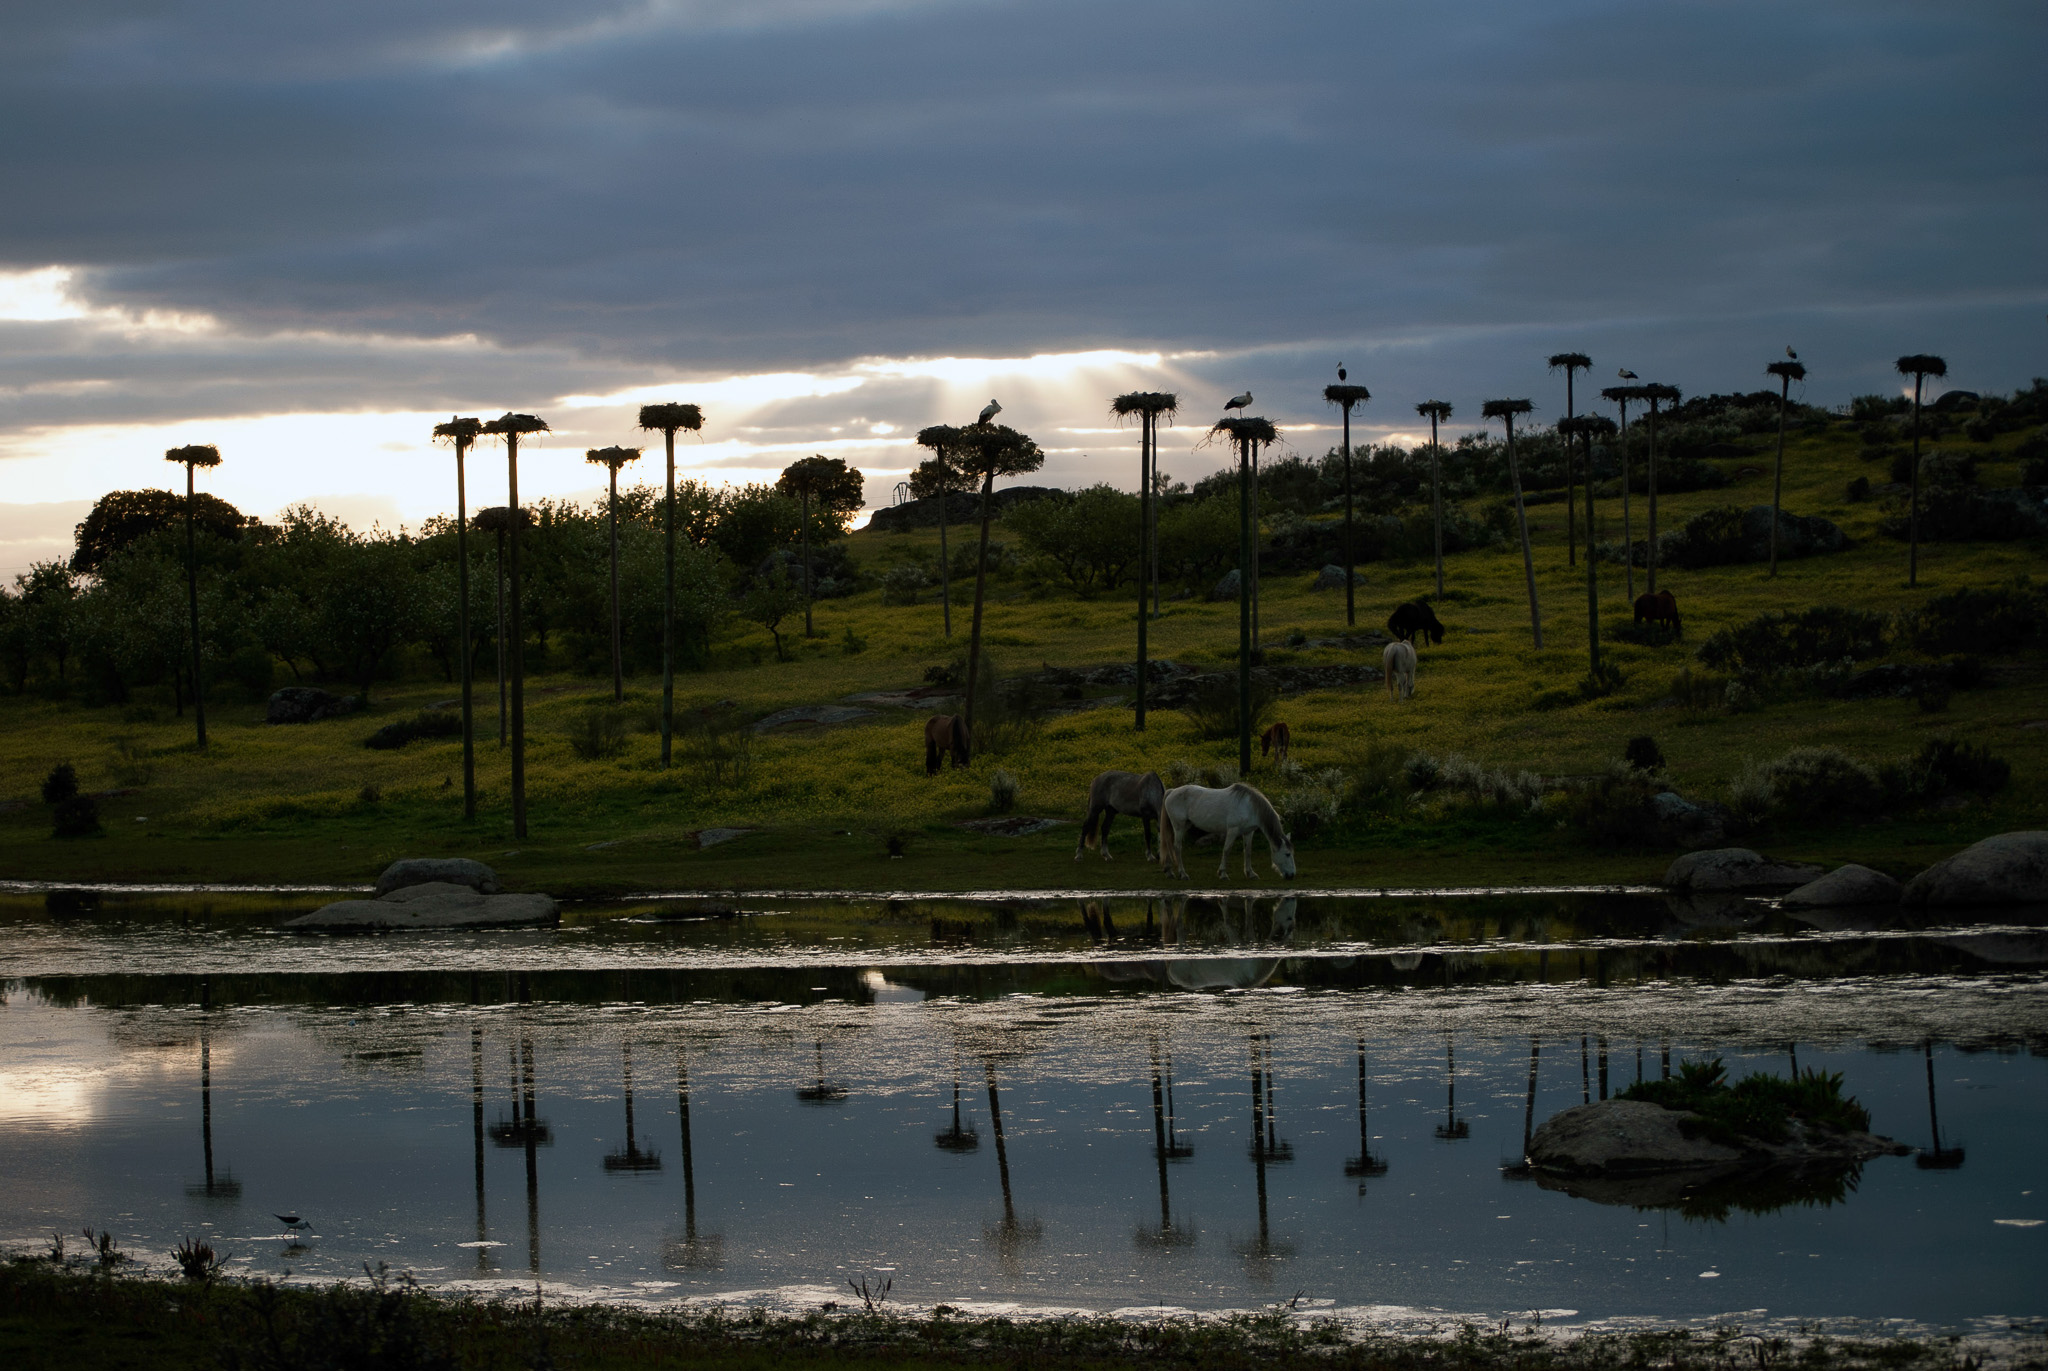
pixel 1212 705
pixel 1696 693
pixel 1383 770
pixel 1932 696
pixel 1999 619
pixel 1313 803
pixel 370 794
pixel 599 732
pixel 951 674
pixel 1858 490
pixel 1954 514
pixel 1781 641
pixel 75 817
pixel 428 723
pixel 197 1260
pixel 1750 796
pixel 1949 765
pixel 1422 771
pixel 132 764
pixel 1614 807
pixel 61 784
pixel 1759 1107
pixel 1820 781
pixel 1643 754
pixel 852 645
pixel 1941 467
pixel 1002 791
pixel 901 584
pixel 1007 714
pixel 1603 681
pixel 718 744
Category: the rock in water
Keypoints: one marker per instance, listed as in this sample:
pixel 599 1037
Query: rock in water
pixel 307 705
pixel 1622 1137
pixel 2011 868
pixel 1737 868
pixel 410 871
pixel 1845 885
pixel 435 904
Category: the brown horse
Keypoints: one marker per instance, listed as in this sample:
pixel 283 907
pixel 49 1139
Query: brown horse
pixel 1277 738
pixel 945 733
pixel 1661 608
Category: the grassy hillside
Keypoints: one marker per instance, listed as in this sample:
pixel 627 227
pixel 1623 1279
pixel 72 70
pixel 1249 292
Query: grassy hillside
pixel 310 802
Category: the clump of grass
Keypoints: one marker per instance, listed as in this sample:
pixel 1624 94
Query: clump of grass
pixel 599 732
pixel 718 744
pixel 852 644
pixel 1698 692
pixel 1212 705
pixel 132 765
pixel 371 793
pixel 1758 1108
pixel 1002 791
pixel 1643 754
pixel 198 1261
pixel 428 723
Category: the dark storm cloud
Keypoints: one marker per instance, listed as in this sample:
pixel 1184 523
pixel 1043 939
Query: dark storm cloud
pixel 735 186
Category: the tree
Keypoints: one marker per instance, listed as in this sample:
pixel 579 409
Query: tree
pixel 1436 410
pixel 192 457
pixel 611 459
pixel 1086 534
pixel 1149 406
pixel 1919 366
pixel 772 598
pixel 122 517
pixel 512 427
pixel 1348 396
pixel 1787 373
pixel 668 418
pixel 835 488
pixel 1656 394
pixel 1621 395
pixel 936 478
pixel 463 433
pixel 1570 362
pixel 988 450
pixel 1505 411
pixel 1245 432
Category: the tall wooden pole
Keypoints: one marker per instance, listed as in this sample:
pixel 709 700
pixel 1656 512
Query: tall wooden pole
pixel 668 602
pixel 462 442
pixel 518 636
pixel 1244 606
pixel 1350 552
pixel 192 589
pixel 1144 526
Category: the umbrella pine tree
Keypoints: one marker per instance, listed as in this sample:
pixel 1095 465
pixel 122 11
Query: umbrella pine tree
pixel 831 485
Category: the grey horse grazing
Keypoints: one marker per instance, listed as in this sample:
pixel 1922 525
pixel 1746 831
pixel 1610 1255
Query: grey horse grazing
pixel 1237 811
pixel 1140 795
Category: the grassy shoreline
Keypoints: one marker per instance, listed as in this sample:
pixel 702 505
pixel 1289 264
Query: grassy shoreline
pixel 53 1318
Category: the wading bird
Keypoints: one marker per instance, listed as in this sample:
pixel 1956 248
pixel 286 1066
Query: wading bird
pixel 1625 374
pixel 989 411
pixel 1790 353
pixel 1237 402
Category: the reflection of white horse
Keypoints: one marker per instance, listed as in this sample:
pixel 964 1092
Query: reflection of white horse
pixel 1238 811
pixel 1399 661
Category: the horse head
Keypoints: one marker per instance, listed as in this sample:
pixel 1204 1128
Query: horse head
pixel 1283 855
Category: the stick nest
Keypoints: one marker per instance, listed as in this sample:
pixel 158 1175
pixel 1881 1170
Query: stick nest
pixel 195 455
pixel 1505 409
pixel 516 425
pixel 1156 403
pixel 1346 395
pixel 613 457
pixel 1241 428
pixel 670 416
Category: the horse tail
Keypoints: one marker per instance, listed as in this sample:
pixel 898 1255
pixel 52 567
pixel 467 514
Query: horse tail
pixel 1169 840
pixel 1088 825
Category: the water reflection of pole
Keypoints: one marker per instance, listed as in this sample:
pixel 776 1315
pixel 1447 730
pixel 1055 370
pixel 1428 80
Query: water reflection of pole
pixel 632 1159
pixel 961 1137
pixel 1166 1148
pixel 1529 1110
pixel 1012 1233
pixel 1792 1050
pixel 1603 1066
pixel 693 1252
pixel 1585 1074
pixel 1453 1127
pixel 1365 1163
pixel 214 1186
pixel 476 1118
pixel 1265 1148
pixel 1941 1158
pixel 820 1091
pixel 532 1126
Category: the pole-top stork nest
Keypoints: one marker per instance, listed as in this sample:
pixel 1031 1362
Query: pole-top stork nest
pixel 613 457
pixel 1505 409
pixel 669 416
pixel 1154 403
pixel 1588 426
pixel 1346 396
pixel 1923 364
pixel 1245 428
pixel 1623 393
pixel 1434 409
pixel 1791 371
pixel 516 425
pixel 1653 391
pixel 460 431
pixel 1570 361
pixel 194 455
pixel 499 519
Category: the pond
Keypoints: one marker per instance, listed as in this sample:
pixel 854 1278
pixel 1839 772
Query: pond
pixel 1033 1103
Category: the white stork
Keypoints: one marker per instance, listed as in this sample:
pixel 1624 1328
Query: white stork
pixel 1790 353
pixel 1237 402
pixel 1625 374
pixel 989 411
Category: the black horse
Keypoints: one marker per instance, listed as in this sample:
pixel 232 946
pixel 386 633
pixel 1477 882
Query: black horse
pixel 1411 620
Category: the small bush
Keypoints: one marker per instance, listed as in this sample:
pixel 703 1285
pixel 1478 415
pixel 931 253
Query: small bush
pixel 852 644
pixel 1822 781
pixel 1422 771
pixel 1614 807
pixel 1602 682
pixel 1741 699
pixel 1932 696
pixel 1949 765
pixel 1759 1107
pixel 132 765
pixel 718 744
pixel 1750 796
pixel 1007 714
pixel 599 732
pixel 1697 692
pixel 1002 791
pixel 61 784
pixel 371 793
pixel 951 675
pixel 1212 705
pixel 1999 619
pixel 1313 803
pixel 76 817
pixel 1643 754
pixel 198 1261
pixel 1382 771
pixel 901 584
pixel 1180 772
pixel 428 723
pixel 1781 641
pixel 1858 490
pixel 1942 467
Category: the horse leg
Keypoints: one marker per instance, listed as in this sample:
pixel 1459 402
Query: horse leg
pixel 1145 822
pixel 1087 832
pixel 1223 867
pixel 931 757
pixel 1102 834
pixel 1251 872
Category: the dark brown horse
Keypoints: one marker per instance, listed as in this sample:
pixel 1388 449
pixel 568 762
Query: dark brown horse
pixel 945 733
pixel 1277 738
pixel 1661 608
pixel 1120 792
pixel 1412 622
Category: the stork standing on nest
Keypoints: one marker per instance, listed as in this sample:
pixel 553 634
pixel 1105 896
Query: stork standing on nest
pixel 988 412
pixel 1237 402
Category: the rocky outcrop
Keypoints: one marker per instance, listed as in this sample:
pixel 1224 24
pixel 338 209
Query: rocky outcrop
pixel 1845 885
pixel 410 871
pixel 1687 824
pixel 960 507
pixel 1329 578
pixel 1226 588
pixel 2011 868
pixel 1737 868
pixel 435 904
pixel 307 705
pixel 811 714
pixel 1616 1138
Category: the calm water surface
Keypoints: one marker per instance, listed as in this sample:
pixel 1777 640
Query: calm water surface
pixel 1200 1104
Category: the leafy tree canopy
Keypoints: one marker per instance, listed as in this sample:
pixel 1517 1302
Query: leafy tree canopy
pixel 832 487
pixel 122 517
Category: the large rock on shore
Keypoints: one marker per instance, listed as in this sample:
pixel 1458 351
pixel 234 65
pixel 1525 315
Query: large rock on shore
pixel 435 904
pixel 1737 868
pixel 409 871
pixel 1845 885
pixel 2011 868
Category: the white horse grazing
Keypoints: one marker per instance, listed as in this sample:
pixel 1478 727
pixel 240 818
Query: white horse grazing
pixel 1399 661
pixel 1238 811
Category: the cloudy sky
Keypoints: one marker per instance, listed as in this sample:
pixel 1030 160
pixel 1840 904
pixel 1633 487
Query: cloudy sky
pixel 305 232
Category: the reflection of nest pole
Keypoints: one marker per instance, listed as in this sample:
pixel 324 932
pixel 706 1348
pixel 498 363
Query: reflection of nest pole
pixel 1520 1169
pixel 959 1137
pixel 632 1159
pixel 1453 1127
pixel 221 1186
pixel 1267 1144
pixel 1939 1158
pixel 1013 1233
pixel 1166 1147
pixel 1366 1163
pixel 819 1092
pixel 690 1252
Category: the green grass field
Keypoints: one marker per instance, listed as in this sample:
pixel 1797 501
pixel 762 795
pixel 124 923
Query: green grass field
pixel 289 803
